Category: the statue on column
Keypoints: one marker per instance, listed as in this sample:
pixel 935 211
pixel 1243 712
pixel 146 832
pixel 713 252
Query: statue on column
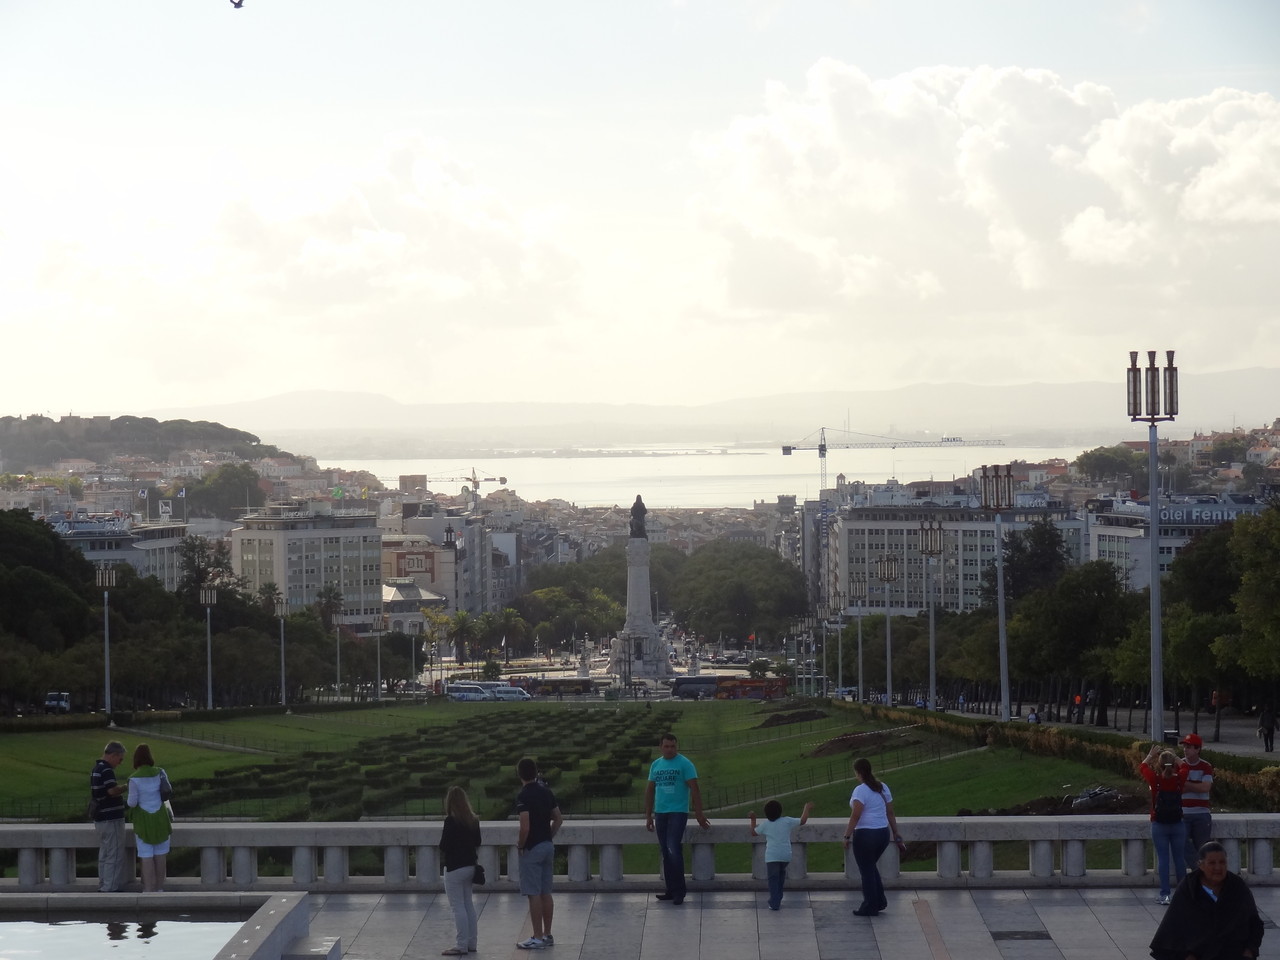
pixel 638 510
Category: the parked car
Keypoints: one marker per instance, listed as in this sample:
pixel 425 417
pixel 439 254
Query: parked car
pixel 509 693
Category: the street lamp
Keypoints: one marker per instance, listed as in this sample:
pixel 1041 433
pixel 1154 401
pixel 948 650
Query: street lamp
pixel 858 594
pixel 106 580
pixel 931 548
pixel 840 607
pixel 379 624
pixel 208 598
pixel 1134 390
pixel 282 608
pixel 887 572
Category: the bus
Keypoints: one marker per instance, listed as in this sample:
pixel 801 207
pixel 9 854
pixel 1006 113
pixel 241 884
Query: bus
pixel 555 686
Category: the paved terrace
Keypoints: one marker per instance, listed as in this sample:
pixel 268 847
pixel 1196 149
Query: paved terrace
pixel 1088 924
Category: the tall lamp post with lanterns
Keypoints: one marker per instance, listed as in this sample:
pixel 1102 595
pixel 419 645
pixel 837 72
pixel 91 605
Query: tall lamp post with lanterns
pixel 887 572
pixel 1156 387
pixel 208 599
pixel 106 577
pixel 931 549
pixel 858 595
pixel 282 609
pixel 379 624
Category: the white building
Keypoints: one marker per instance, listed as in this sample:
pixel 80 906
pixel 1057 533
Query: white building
pixel 107 540
pixel 304 545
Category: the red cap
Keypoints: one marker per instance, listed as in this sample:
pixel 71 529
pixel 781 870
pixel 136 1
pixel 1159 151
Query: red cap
pixel 1193 739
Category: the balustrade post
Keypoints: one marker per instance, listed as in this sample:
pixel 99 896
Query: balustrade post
pixel 1260 862
pixel 759 868
pixel 427 866
pixel 304 865
pixel 395 865
pixel 579 862
pixel 213 866
pixel 62 866
pixel 611 862
pixel 798 869
pixel 948 852
pixel 1133 858
pixel 30 868
pixel 1041 858
pixel 335 865
pixel 1073 858
pixel 704 861
pixel 244 865
pixel 981 859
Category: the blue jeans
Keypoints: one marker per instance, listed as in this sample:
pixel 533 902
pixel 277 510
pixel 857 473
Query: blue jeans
pixel 777 880
pixel 457 886
pixel 1170 840
pixel 669 828
pixel 1199 832
pixel 868 845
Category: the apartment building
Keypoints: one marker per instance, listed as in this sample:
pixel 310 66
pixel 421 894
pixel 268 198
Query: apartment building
pixel 302 546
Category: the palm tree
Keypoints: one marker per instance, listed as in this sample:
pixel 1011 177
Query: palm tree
pixel 462 630
pixel 513 628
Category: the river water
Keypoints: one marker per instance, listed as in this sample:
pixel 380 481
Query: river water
pixel 696 476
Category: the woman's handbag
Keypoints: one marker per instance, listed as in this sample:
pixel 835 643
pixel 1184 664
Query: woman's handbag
pixel 166 788
pixel 478 877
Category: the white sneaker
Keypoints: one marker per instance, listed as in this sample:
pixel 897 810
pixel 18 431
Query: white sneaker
pixel 1163 900
pixel 533 943
pixel 548 941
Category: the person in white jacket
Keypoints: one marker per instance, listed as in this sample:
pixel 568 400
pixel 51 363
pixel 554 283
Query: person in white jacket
pixel 152 825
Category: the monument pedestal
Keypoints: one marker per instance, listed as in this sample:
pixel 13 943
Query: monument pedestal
pixel 639 644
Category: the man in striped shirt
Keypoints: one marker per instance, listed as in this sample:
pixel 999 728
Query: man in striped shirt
pixel 1195 796
pixel 108 817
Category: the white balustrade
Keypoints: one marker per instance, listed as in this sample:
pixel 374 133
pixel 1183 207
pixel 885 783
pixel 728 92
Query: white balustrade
pixel 964 849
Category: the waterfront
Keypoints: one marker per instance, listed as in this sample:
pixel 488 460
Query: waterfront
pixel 697 475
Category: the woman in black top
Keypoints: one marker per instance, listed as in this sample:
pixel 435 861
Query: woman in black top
pixel 459 841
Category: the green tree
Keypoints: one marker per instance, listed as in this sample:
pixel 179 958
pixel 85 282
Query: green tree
pixel 1229 448
pixel 737 589
pixel 462 633
pixel 759 668
pixel 1255 543
pixel 1110 463
pixel 226 493
pixel 1034 559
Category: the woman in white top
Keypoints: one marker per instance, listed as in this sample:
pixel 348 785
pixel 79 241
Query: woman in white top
pixel 871 825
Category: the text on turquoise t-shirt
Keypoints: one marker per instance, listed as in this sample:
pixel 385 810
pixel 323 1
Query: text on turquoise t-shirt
pixel 670 783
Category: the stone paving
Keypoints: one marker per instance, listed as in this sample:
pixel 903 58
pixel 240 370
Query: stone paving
pixel 1086 924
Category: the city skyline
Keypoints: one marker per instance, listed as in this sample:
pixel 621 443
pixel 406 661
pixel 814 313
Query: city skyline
pixel 513 203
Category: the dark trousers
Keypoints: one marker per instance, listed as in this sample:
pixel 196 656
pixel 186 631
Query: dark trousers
pixel 868 845
pixel 1199 832
pixel 1268 738
pixel 669 828
pixel 777 880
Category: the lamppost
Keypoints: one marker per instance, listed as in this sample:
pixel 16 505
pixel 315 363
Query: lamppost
pixel 106 580
pixel 379 624
pixel 208 597
pixel 887 572
pixel 858 594
pixel 931 549
pixel 282 608
pixel 1134 389
pixel 840 606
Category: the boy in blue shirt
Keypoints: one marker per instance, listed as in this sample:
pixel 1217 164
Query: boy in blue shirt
pixel 776 831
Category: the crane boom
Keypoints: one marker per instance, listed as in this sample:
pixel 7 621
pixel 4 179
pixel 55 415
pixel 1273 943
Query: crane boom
pixel 878 443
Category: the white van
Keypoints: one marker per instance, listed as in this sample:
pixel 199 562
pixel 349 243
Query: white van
pixel 467 691
pixel 509 693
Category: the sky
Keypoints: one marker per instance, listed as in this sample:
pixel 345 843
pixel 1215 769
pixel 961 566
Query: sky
pixel 641 202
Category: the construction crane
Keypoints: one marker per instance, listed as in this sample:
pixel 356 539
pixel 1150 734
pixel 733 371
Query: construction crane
pixel 474 489
pixel 879 442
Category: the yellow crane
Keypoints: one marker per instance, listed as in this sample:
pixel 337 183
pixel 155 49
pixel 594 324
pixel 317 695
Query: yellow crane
pixel 877 442
pixel 474 489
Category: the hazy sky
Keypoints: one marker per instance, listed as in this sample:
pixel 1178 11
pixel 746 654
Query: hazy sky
pixel 669 202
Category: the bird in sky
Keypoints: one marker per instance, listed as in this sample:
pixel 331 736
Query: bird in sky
pixel 237 3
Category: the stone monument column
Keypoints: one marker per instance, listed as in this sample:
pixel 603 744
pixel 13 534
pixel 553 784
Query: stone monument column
pixel 639 642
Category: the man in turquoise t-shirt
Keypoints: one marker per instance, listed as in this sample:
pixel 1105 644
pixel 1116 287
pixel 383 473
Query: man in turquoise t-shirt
pixel 672 787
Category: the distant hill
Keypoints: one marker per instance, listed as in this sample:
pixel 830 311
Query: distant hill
pixel 370 425
pixel 36 441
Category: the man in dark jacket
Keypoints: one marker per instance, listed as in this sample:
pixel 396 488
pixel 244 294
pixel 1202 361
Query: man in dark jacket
pixel 108 817
pixel 1212 916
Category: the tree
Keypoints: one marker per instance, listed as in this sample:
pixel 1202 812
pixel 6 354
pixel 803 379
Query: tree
pixel 225 493
pixel 462 632
pixel 759 668
pixel 1110 463
pixel 737 589
pixel 1255 543
pixel 1229 448
pixel 329 604
pixel 1034 559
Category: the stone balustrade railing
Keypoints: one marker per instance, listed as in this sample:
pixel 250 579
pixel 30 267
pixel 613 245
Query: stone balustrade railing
pixel 964 849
